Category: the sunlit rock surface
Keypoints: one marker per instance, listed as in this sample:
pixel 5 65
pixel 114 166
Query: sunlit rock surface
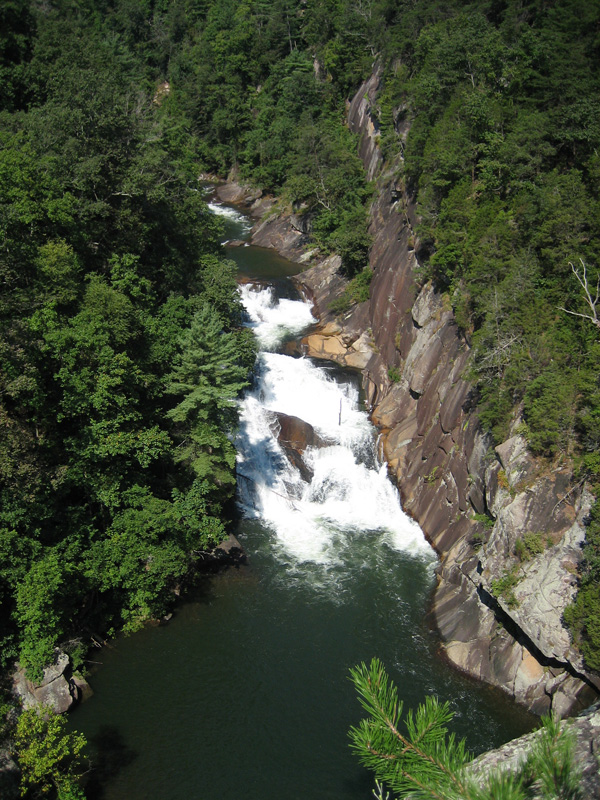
pixel 57 689
pixel 413 360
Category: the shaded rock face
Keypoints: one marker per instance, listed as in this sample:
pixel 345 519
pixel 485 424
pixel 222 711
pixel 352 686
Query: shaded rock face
pixel 229 553
pixel 446 467
pixel 288 235
pixel 10 777
pixel 57 689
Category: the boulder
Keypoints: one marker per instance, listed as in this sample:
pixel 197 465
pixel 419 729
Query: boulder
pixel 57 688
pixel 586 732
pixel 235 193
pixel 295 436
pixel 229 553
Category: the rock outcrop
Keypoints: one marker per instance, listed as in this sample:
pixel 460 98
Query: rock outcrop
pixel 586 732
pixel 498 603
pixel 295 436
pixel 10 777
pixel 229 553
pixel 58 688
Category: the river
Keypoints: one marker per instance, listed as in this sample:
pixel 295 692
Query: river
pixel 245 693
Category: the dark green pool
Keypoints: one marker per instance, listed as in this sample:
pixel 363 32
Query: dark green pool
pixel 245 695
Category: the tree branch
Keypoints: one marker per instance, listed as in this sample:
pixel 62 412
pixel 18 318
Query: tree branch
pixel 591 302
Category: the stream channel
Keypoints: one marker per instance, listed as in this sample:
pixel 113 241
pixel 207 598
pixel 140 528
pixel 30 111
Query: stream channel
pixel 245 694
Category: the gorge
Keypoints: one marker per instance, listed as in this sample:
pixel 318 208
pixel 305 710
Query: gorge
pixel 451 480
pixel 422 181
pixel 257 700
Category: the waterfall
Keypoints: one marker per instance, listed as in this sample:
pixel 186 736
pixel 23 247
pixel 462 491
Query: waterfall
pixel 237 225
pixel 349 495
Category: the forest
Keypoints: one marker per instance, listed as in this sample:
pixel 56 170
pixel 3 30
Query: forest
pixel 122 348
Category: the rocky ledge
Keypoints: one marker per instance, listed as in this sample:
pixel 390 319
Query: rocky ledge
pixel 586 733
pixel 508 529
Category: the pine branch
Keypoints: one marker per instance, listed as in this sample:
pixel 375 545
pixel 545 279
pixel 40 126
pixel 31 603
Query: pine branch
pixel 421 760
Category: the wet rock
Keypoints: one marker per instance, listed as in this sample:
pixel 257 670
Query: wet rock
pixel 295 436
pixel 229 553
pixel 292 348
pixel 84 690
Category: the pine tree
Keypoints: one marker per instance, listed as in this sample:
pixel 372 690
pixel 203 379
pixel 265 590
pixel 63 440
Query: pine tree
pixel 418 759
pixel 209 375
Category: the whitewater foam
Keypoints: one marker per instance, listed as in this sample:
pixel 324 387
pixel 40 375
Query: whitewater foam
pixel 273 320
pixel 242 223
pixel 350 494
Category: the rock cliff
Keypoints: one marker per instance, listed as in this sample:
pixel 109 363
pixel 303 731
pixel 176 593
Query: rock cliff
pixel 507 528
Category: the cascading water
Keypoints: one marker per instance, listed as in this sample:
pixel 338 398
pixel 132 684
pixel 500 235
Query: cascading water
pixel 237 225
pixel 245 693
pixel 349 494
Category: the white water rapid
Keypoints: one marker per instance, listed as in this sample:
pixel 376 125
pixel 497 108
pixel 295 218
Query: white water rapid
pixel 350 494
pixel 243 225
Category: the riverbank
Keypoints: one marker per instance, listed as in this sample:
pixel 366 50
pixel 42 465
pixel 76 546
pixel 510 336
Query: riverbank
pixel 257 668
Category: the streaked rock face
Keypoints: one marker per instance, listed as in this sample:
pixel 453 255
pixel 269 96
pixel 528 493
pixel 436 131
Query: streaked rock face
pixel 57 689
pixel 444 463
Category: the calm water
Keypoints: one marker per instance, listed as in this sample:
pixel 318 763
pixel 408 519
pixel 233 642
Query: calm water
pixel 245 693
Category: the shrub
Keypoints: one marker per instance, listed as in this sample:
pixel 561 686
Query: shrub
pixel 504 587
pixel 357 291
pixel 529 546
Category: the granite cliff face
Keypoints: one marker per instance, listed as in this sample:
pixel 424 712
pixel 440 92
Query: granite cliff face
pixel 508 529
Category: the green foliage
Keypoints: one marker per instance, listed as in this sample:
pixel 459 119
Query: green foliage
pixel 357 291
pixel 583 616
pixel 416 757
pixel 50 759
pixel 504 587
pixel 500 157
pixel 394 374
pixel 550 769
pixel 108 253
pixel 423 757
pixel 529 546
pixel 485 519
pixel 432 476
pixel 45 603
pixel 209 375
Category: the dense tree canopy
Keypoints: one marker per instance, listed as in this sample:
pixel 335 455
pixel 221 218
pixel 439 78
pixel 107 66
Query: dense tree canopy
pixel 121 346
pixel 109 258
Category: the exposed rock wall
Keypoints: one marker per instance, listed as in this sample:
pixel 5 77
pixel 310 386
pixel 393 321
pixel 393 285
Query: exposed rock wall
pixel 500 616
